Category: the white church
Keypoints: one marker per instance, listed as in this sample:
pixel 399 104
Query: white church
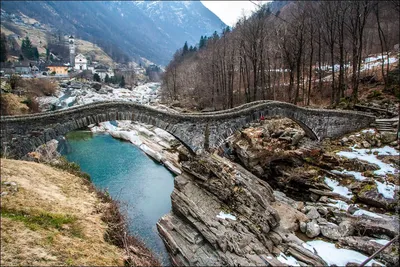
pixel 80 62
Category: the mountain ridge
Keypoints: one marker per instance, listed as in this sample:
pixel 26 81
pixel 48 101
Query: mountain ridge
pixel 126 29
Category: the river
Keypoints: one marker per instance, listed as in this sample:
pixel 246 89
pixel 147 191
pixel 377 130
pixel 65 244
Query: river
pixel 141 184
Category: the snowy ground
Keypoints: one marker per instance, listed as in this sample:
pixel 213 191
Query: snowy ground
pixel 336 256
pixel 370 155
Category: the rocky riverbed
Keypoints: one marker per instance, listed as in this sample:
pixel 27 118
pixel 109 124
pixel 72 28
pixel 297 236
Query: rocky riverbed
pixel 296 202
pixel 72 93
pixel 271 196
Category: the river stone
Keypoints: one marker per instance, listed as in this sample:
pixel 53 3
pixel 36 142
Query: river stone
pixel 303 227
pixel 314 197
pixel 330 230
pixel 313 229
pixel 346 228
pixel 388 137
pixel 313 213
pixel 322 210
pixel 297 138
pixel 365 144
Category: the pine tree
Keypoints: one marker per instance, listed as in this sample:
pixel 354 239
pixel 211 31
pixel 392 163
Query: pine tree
pixel 3 48
pixel 185 49
pixel 29 51
pixel 21 57
pixel 35 53
pixel 202 42
pixel 96 77
pixel 107 79
pixel 215 36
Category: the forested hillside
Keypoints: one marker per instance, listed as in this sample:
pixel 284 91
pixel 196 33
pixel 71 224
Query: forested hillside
pixel 124 29
pixel 307 52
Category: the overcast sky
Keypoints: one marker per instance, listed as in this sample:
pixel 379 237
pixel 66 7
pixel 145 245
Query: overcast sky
pixel 230 11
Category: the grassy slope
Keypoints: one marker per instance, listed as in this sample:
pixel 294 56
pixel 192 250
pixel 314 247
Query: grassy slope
pixel 37 35
pixel 53 219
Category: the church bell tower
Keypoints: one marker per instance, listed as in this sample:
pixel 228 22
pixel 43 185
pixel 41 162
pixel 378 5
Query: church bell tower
pixel 71 43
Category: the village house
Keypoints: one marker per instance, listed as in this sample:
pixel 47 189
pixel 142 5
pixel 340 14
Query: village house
pixel 58 69
pixel 103 71
pixel 80 62
pixel 22 68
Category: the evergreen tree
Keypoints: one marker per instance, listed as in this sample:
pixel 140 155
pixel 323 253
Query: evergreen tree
pixel 3 48
pixel 35 53
pixel 122 83
pixel 21 57
pixel 107 79
pixel 185 49
pixel 202 42
pixel 29 51
pixel 96 77
pixel 226 30
pixel 215 36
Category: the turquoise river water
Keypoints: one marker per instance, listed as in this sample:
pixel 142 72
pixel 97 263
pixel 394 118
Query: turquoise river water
pixel 141 184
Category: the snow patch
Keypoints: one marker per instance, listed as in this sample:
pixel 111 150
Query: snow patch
pixel 289 260
pixel 341 190
pixel 338 256
pixel 386 189
pixel 362 154
pixel 223 215
pixel 367 213
pixel 368 131
pixel 341 205
pixel 380 241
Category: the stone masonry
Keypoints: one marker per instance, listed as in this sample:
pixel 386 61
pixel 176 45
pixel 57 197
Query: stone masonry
pixel 198 131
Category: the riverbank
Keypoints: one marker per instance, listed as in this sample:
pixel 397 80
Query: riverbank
pixel 51 217
pixel 276 197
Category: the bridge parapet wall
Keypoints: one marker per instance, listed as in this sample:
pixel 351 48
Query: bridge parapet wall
pixel 22 134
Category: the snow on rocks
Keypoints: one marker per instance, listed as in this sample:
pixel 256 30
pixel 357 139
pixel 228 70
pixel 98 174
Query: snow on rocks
pixel 223 215
pixel 380 241
pixel 336 256
pixel 341 190
pixel 370 155
pixel 341 205
pixel 289 260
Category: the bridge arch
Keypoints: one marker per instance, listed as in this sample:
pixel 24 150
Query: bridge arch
pixel 22 134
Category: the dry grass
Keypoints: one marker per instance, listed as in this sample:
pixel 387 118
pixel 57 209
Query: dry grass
pixel 87 48
pixel 11 104
pixel 38 38
pixel 53 219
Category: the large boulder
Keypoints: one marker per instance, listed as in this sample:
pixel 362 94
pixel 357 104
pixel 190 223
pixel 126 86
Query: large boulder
pixel 388 137
pixel 313 229
pixel 330 230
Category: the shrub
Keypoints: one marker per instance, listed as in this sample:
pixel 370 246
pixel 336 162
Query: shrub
pixel 374 94
pixel 40 87
pixel 70 167
pixel 32 104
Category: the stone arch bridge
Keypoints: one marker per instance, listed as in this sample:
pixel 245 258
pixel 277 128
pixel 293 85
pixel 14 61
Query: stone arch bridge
pixel 23 133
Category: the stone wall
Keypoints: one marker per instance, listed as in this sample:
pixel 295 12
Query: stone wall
pixel 22 134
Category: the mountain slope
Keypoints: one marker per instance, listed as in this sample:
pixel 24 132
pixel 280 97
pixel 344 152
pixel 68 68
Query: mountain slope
pixel 125 29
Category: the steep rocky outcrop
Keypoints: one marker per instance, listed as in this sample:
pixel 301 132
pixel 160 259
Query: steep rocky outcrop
pixel 224 215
